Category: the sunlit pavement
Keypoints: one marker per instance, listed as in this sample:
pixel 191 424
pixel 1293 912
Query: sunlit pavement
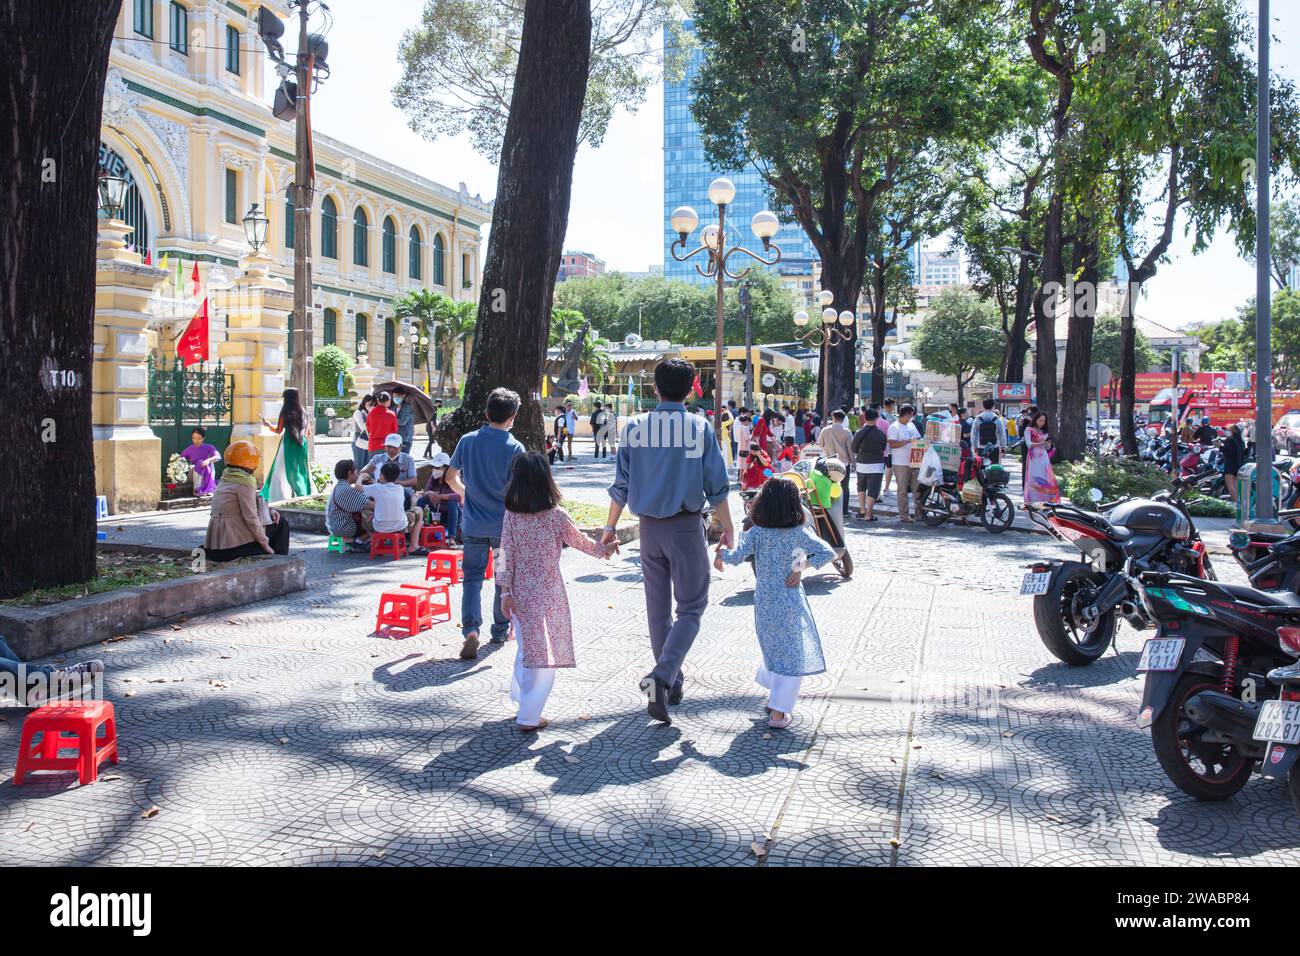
pixel 287 733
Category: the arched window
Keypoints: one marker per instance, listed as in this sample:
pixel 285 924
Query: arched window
pixel 290 215
pixel 439 261
pixel 360 237
pixel 363 332
pixel 390 246
pixel 329 229
pixel 416 253
pixel 331 326
pixel 390 343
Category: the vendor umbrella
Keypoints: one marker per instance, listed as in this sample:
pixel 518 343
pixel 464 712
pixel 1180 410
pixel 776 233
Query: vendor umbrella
pixel 422 403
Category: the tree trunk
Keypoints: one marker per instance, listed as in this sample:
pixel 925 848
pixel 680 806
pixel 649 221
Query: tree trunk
pixel 1013 366
pixel 53 64
pixel 1128 374
pixel 836 385
pixel 1051 272
pixel 879 329
pixel 530 217
pixel 1071 436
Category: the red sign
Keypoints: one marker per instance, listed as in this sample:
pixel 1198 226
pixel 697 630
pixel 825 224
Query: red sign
pixel 1014 392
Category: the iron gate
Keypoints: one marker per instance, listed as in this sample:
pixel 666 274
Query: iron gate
pixel 182 397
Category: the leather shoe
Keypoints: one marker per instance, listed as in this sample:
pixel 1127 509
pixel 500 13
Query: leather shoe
pixel 675 695
pixel 657 693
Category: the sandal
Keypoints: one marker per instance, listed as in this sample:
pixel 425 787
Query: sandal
pixel 780 723
pixel 540 725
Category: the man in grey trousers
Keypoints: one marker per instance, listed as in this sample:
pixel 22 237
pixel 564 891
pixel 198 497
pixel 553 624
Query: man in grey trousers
pixel 668 466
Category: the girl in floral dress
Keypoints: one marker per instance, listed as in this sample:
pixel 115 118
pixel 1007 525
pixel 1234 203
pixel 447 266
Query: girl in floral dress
pixel 782 546
pixel 533 535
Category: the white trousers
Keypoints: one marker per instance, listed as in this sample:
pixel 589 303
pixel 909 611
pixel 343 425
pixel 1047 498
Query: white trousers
pixel 782 691
pixel 529 687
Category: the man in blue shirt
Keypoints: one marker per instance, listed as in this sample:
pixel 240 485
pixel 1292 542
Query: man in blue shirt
pixel 478 473
pixel 668 467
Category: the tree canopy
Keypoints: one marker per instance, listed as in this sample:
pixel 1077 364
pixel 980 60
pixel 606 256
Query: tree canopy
pixel 458 66
pixel 959 337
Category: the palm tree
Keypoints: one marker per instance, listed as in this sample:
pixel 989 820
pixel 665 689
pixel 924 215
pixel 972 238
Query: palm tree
pixel 425 311
pixel 595 362
pixel 457 327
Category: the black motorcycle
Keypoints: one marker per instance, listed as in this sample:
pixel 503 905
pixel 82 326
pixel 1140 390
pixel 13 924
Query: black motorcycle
pixel 1077 604
pixel 1221 692
pixel 993 505
pixel 1270 559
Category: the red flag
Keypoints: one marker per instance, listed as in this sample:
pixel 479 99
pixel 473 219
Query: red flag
pixel 148 258
pixel 192 346
pixel 695 387
pixel 194 278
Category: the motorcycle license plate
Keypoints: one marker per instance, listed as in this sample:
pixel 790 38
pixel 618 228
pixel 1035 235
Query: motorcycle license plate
pixel 1161 654
pixel 1279 720
pixel 1035 582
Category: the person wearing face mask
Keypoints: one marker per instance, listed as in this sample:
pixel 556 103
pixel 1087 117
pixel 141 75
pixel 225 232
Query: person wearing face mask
pixel 440 497
pixel 405 410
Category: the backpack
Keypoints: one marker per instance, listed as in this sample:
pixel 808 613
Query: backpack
pixel 988 431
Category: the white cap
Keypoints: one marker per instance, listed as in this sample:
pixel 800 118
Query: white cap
pixel 393 438
pixel 441 460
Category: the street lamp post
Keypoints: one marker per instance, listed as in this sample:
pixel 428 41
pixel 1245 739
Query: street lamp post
pixel 714 245
pixel 825 337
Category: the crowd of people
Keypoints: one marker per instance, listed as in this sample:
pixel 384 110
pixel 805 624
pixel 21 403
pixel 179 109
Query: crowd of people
pixel 494 497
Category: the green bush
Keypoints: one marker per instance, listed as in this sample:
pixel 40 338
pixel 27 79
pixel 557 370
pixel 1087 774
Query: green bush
pixel 1211 508
pixel 1115 477
pixel 328 363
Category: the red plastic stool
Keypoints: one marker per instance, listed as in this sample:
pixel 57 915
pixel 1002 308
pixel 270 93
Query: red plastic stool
pixel 435 603
pixel 65 727
pixel 433 535
pixel 444 564
pixel 388 542
pixel 400 608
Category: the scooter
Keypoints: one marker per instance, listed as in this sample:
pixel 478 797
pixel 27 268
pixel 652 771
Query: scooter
pixel 994 507
pixel 1221 691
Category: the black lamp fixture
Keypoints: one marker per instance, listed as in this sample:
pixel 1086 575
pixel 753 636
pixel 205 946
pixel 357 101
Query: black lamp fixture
pixel 255 226
pixel 112 194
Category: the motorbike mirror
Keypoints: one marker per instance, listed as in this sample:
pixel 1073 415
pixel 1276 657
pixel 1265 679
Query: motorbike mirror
pixel 1095 494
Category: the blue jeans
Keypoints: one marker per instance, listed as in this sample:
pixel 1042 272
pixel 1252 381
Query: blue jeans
pixel 449 511
pixel 474 564
pixel 9 662
pixel 359 457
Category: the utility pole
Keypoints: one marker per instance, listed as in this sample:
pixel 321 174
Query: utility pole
pixel 1263 293
pixel 301 374
pixel 749 345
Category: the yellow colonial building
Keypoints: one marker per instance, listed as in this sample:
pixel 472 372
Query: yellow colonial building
pixel 186 122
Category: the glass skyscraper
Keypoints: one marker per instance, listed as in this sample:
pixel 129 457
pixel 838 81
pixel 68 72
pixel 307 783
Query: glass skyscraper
pixel 687 174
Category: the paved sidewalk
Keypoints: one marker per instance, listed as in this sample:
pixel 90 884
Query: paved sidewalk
pixel 943 733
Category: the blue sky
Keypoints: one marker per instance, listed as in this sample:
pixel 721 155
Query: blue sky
pixel 617 189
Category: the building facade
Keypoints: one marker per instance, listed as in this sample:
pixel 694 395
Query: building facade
pixel 687 174
pixel 574 262
pixel 187 123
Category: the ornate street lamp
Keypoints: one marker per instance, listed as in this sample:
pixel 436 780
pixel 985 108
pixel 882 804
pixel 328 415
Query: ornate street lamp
pixel 255 226
pixel 714 246
pixel 112 195
pixel 836 327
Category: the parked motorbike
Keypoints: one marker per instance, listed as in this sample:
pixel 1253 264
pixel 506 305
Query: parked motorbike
pixel 992 504
pixel 1077 604
pixel 1271 560
pixel 1222 691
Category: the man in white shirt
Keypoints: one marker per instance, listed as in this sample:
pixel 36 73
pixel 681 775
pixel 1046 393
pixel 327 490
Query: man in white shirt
pixel 900 438
pixel 740 432
pixel 787 430
pixel 391 515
